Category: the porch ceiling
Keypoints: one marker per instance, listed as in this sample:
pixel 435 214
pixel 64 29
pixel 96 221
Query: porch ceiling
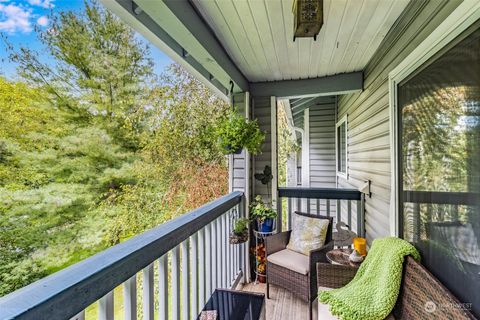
pixel 258 36
pixel 249 43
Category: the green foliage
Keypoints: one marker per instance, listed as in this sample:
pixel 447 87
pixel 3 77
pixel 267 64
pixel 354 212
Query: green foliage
pixel 102 71
pixel 241 225
pixel 235 133
pixel 260 211
pixel 94 149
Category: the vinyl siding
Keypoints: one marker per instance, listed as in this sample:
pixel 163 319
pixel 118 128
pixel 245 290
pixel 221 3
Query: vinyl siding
pixel 238 175
pixel 262 112
pixel 322 151
pixel 322 144
pixel 368 111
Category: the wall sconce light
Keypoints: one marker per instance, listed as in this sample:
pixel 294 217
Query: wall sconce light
pixel 308 18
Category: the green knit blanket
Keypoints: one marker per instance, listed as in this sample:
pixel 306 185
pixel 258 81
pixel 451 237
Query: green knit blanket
pixel 372 293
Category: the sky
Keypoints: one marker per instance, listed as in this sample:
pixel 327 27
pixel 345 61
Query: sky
pixel 18 19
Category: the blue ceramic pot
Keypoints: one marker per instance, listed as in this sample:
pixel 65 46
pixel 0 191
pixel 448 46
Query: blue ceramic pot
pixel 266 225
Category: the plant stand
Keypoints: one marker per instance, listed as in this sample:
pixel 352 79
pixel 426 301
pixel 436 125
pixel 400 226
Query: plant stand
pixel 260 256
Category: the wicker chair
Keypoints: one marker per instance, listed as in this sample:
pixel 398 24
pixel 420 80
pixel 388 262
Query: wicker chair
pixel 419 288
pixel 302 283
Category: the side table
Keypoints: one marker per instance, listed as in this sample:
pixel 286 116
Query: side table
pixel 341 257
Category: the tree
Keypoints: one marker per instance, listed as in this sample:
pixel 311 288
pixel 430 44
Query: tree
pixel 102 70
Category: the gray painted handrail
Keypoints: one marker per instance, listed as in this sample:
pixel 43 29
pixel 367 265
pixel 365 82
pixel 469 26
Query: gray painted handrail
pixel 69 291
pixel 320 193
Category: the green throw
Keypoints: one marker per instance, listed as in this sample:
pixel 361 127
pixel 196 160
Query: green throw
pixel 372 293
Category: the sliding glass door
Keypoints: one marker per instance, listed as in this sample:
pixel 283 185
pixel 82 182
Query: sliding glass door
pixel 439 165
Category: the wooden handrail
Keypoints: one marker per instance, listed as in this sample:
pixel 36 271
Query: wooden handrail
pixel 65 293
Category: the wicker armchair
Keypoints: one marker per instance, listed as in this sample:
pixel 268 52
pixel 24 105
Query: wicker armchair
pixel 302 283
pixel 418 289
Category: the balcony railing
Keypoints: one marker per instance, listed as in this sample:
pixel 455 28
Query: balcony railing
pixel 201 261
pixel 346 205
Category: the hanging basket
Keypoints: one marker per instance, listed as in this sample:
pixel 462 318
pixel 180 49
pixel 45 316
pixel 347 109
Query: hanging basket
pixel 237 238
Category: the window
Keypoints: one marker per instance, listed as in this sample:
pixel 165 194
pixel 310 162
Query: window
pixel 341 147
pixel 439 165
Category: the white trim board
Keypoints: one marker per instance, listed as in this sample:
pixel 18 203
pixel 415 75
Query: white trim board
pixel 467 13
pixel 273 119
pixel 306 149
pixel 340 174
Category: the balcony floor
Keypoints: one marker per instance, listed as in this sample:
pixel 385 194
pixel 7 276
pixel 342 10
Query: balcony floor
pixel 282 304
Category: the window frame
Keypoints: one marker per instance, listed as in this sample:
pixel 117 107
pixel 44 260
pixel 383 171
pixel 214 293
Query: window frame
pixel 461 19
pixel 343 120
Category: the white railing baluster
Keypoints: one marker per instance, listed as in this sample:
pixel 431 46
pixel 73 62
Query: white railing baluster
pixel 130 298
pixel 105 307
pixel 218 226
pixel 215 257
pixel 201 269
pixel 208 261
pixel 229 251
pixel 194 270
pixel 79 316
pixel 148 295
pixel 185 280
pixel 163 287
pixel 176 283
pixel 224 251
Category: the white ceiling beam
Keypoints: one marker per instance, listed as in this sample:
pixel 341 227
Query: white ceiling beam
pixel 323 86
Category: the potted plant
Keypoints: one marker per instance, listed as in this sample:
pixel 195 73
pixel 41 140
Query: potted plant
pixel 235 133
pixel 264 215
pixel 239 233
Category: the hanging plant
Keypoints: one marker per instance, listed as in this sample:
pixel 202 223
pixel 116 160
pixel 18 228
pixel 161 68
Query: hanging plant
pixel 239 233
pixel 235 133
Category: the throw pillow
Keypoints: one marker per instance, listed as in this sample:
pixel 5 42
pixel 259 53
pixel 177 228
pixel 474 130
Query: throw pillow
pixel 307 234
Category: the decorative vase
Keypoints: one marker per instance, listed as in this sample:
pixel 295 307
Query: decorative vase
pixel 355 257
pixel 237 238
pixel 266 225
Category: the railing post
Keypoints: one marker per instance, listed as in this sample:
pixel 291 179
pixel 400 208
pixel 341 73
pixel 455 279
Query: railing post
pixel 361 218
pixel 130 298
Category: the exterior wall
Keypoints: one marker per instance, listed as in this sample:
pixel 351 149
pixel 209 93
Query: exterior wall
pixel 319 123
pixel 368 111
pixel 322 144
pixel 262 112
